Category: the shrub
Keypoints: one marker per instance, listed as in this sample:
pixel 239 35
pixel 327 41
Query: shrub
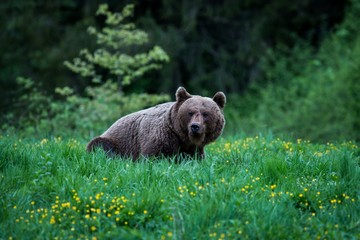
pixel 91 115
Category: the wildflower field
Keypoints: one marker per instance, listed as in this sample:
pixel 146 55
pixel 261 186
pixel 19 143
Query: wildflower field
pixel 245 188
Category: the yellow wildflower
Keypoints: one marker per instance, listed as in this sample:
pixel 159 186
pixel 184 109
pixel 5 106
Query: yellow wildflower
pixel 52 220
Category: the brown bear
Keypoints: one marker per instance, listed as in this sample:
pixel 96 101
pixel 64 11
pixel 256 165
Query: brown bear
pixel 183 127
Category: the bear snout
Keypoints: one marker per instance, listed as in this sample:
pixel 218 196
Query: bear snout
pixel 196 133
pixel 195 128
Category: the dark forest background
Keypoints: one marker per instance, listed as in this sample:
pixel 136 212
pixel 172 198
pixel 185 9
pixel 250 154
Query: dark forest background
pixel 288 67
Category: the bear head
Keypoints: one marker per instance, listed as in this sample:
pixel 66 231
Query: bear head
pixel 198 120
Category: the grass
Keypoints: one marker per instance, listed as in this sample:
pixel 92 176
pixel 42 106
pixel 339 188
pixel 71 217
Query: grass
pixel 246 188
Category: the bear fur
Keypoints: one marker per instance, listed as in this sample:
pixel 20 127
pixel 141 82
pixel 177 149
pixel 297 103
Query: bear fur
pixel 183 127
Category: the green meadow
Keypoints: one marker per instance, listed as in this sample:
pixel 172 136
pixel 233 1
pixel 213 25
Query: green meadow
pixel 245 188
pixel 297 78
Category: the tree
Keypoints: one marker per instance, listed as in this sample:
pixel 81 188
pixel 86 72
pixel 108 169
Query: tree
pixel 116 55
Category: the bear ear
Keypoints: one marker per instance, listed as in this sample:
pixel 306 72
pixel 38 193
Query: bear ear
pixel 220 99
pixel 182 94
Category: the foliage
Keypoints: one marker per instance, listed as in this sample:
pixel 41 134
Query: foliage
pixel 30 109
pixel 220 44
pixel 102 104
pixel 114 39
pixel 312 94
pixel 217 44
pixel 251 188
pixel 26 52
pixel 84 117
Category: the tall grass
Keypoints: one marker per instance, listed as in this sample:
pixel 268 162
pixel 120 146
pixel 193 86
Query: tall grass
pixel 251 188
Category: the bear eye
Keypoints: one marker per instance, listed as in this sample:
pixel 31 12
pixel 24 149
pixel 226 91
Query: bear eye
pixel 191 114
pixel 205 115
